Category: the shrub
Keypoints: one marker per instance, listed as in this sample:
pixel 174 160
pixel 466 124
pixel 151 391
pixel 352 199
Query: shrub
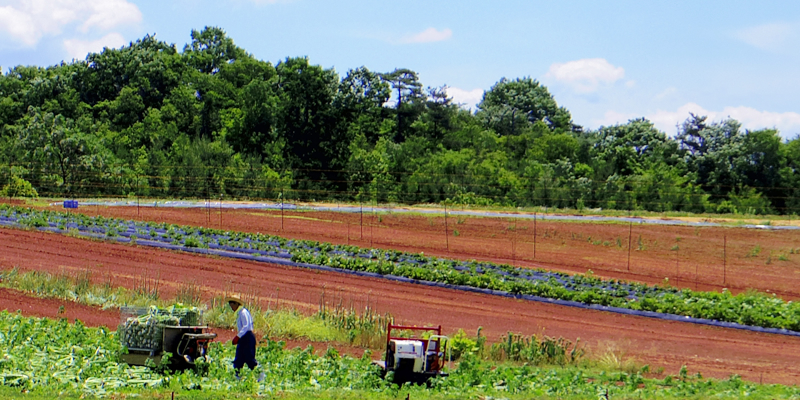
pixel 19 187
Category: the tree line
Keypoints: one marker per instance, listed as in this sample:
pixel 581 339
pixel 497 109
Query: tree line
pixel 211 120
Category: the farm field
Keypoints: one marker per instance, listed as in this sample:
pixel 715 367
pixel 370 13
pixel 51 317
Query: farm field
pixel 713 351
pixel 47 356
pixel 701 258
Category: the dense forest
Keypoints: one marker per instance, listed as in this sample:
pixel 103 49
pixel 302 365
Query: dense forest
pixel 213 121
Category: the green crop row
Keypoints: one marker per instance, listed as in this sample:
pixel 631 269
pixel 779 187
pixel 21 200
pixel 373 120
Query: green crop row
pixel 750 308
pixel 54 357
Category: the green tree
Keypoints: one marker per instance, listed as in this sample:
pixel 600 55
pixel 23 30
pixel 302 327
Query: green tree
pixel 370 166
pixel 436 119
pixel 199 167
pixel 410 99
pixel 790 176
pixel 761 163
pixel 510 107
pixel 149 67
pixel 713 151
pixel 630 148
pixel 359 102
pixel 18 187
pixel 307 122
pixel 210 49
pixel 61 153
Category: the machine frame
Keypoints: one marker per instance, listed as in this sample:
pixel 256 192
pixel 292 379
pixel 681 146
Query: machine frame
pixel 185 344
pixel 433 355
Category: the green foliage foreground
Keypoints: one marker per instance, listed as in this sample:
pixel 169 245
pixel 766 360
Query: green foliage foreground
pixel 47 357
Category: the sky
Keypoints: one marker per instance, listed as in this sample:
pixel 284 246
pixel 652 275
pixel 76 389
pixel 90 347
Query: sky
pixel 605 61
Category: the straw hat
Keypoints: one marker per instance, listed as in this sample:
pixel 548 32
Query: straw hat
pixel 234 299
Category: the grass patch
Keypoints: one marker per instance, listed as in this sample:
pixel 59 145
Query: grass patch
pixel 341 324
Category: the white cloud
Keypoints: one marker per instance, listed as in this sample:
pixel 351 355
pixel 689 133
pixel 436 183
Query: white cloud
pixel 788 123
pixel 668 121
pixel 429 35
pixel 773 37
pixel 27 21
pixel 614 118
pixel 466 98
pixel 586 76
pixel 108 14
pixel 668 92
pixel 18 25
pixel 79 49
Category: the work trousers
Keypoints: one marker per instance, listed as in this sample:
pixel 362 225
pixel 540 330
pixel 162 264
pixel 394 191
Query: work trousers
pixel 245 352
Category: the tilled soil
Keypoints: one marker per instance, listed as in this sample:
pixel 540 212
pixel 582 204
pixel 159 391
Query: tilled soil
pixel 702 258
pixel 16 301
pixel 712 351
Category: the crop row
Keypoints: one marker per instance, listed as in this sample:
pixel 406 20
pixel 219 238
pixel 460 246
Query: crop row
pixel 753 309
pixel 48 356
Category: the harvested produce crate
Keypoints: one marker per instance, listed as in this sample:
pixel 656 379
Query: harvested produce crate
pixel 142 328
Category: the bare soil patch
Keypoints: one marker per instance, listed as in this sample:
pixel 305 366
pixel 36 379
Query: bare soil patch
pixel 702 258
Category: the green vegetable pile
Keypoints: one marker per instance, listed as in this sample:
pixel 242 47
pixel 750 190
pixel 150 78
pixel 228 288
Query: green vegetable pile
pixel 145 332
pixel 146 329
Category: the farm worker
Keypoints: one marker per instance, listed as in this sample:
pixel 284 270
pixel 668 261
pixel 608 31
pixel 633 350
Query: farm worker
pixel 244 340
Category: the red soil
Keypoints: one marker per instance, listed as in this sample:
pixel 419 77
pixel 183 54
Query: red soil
pixel 703 258
pixel 13 300
pixel 712 351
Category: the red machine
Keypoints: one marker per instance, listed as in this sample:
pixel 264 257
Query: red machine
pixel 415 360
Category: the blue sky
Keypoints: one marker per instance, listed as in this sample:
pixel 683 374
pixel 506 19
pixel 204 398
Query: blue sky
pixel 605 61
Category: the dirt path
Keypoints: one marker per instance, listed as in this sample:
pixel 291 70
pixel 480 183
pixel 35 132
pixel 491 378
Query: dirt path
pixel 713 351
pixel 14 300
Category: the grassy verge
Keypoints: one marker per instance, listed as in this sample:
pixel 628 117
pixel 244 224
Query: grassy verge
pixel 364 328
pixel 336 324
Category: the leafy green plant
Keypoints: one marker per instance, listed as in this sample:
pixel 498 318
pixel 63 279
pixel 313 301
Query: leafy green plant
pixel 192 241
pixel 754 252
